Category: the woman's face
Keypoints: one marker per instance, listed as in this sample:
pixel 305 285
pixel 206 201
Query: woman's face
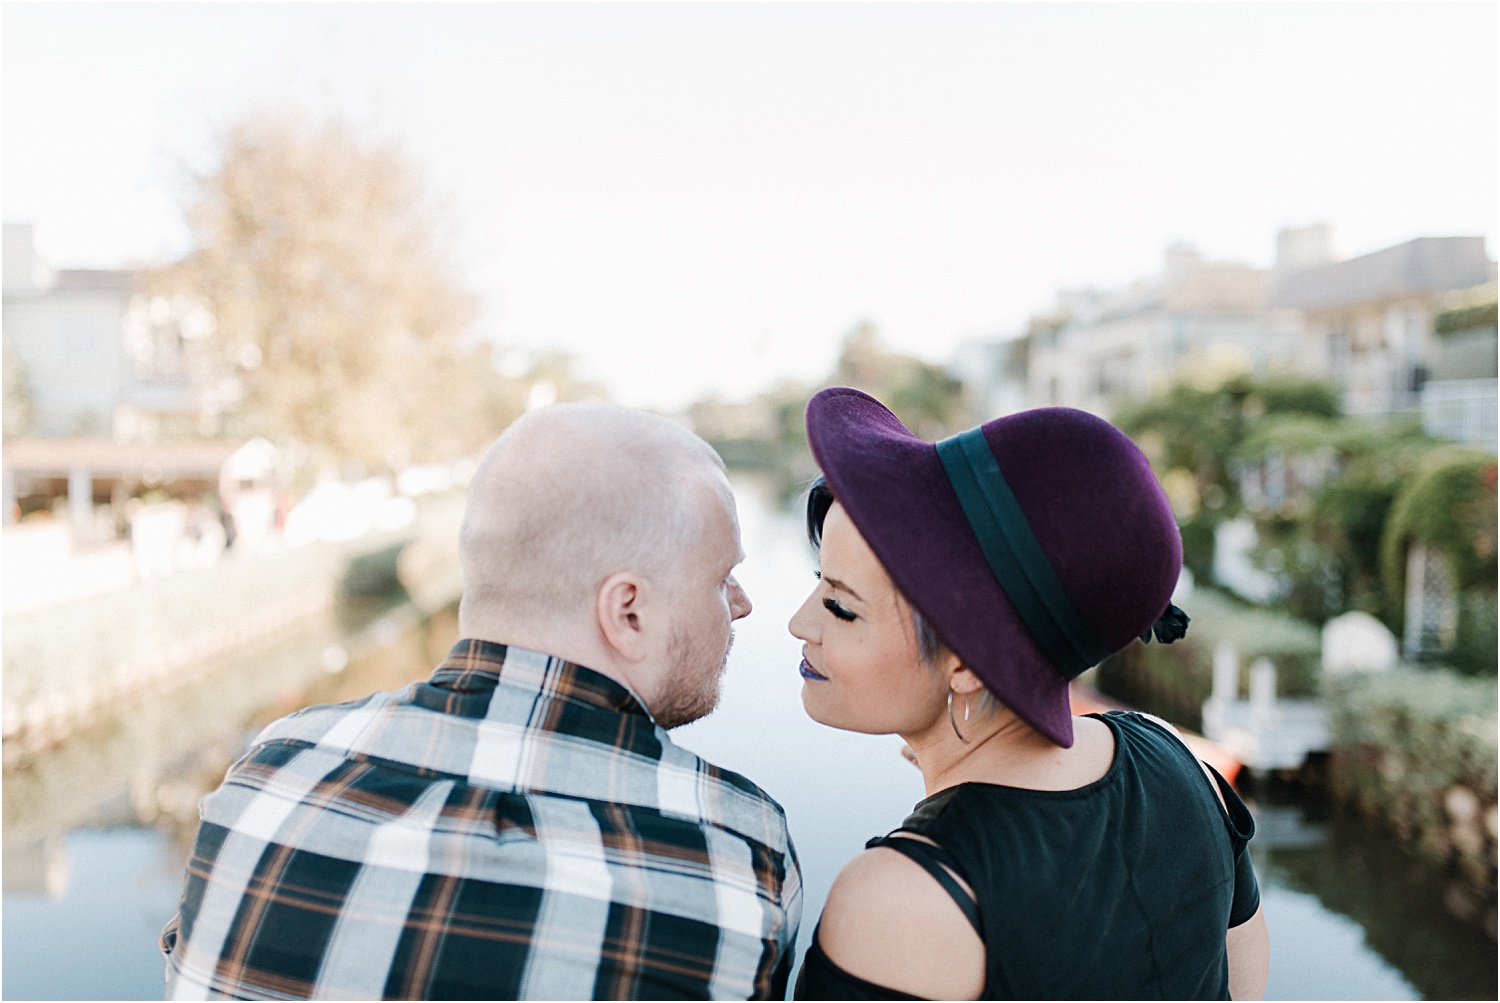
pixel 861 668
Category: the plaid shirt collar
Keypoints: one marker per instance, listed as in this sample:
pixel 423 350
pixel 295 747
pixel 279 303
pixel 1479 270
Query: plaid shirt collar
pixel 474 668
pixel 498 716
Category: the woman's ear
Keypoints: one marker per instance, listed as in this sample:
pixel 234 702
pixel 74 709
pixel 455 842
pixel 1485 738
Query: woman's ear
pixel 619 605
pixel 962 680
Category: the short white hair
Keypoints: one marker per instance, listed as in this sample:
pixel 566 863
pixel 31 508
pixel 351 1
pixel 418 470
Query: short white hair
pixel 573 493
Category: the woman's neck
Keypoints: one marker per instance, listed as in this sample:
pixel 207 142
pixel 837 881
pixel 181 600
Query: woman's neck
pixel 1003 749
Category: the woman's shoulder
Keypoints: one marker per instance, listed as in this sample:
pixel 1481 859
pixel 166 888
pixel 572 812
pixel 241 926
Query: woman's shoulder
pixel 1165 734
pixel 889 922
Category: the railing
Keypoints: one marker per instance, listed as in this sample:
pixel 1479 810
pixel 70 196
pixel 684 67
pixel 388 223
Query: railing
pixel 1461 411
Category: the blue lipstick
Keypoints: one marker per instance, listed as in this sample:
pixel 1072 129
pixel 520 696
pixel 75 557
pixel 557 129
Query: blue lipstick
pixel 808 672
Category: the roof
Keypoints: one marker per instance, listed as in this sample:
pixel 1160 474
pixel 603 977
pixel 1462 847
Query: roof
pixel 90 279
pixel 106 457
pixel 1214 288
pixel 1418 267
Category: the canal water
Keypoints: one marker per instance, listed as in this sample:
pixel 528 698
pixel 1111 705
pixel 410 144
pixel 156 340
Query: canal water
pixel 96 832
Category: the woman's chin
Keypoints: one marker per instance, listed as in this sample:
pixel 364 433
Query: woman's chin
pixel 824 715
pixel 808 701
pixel 812 704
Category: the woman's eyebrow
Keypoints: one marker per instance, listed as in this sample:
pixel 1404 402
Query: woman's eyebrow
pixel 842 587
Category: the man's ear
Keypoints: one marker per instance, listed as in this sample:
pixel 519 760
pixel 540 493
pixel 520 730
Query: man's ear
pixel 618 607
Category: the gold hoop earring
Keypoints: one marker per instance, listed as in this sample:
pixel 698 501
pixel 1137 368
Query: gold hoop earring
pixel 954 722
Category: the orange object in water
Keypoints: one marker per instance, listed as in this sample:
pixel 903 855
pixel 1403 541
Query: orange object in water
pixel 1087 700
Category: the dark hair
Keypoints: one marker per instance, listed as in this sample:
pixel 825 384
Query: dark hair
pixel 819 500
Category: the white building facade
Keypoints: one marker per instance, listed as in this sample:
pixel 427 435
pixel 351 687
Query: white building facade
pixel 63 331
pixel 1369 321
pixel 1194 320
pixel 98 355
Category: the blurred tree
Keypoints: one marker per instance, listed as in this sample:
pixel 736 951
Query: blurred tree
pixel 317 255
pixel 1323 542
pixel 20 410
pixel 773 435
pixel 1191 435
pixel 924 396
pixel 551 377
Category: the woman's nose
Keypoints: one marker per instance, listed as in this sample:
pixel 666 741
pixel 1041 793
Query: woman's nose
pixel 803 623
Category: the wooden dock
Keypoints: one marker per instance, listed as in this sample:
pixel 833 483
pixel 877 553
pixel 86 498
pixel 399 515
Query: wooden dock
pixel 1265 732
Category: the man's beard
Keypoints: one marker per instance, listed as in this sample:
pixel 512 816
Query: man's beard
pixel 690 693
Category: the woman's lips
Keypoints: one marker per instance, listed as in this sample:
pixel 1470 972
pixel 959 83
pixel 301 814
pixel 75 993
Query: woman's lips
pixel 808 672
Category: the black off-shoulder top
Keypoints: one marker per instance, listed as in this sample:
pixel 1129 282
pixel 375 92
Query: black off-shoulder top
pixel 1122 889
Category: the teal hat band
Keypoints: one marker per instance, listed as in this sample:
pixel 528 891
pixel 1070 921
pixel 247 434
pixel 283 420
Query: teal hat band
pixel 1015 556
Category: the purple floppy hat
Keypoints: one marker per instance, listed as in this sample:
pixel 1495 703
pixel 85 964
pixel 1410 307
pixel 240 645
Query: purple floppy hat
pixel 1036 544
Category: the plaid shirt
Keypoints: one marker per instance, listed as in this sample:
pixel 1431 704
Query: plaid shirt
pixel 515 827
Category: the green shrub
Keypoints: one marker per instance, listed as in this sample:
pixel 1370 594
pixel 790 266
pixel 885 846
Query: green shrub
pixel 1467 319
pixel 1198 545
pixel 1325 545
pixel 1197 431
pixel 1474 650
pixel 1450 506
pixel 1402 740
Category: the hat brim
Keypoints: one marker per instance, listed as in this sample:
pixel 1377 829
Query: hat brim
pixel 893 487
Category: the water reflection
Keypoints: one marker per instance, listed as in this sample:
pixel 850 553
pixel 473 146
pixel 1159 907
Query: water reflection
pixel 94 937
pixel 96 832
pixel 151 761
pixel 1333 880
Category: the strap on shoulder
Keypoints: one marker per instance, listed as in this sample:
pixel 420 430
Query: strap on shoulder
pixel 939 863
pixel 1241 822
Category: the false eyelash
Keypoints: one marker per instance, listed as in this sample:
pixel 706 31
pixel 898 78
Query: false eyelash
pixel 838 611
pixel 817 574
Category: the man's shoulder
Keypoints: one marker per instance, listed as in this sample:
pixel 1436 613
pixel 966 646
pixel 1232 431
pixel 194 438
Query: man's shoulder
pixel 324 724
pixel 391 732
pixel 743 784
pixel 691 785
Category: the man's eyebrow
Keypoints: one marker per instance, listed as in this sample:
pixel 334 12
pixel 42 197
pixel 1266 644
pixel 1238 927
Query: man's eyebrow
pixel 842 587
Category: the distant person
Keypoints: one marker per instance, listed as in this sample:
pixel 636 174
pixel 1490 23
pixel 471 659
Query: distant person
pixel 962 586
pixel 520 825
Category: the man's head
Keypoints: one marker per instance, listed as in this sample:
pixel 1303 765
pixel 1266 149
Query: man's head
pixel 608 537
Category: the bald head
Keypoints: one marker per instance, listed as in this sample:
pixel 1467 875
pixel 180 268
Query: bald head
pixel 570 495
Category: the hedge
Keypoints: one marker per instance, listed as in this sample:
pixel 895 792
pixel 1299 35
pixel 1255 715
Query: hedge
pixel 1415 748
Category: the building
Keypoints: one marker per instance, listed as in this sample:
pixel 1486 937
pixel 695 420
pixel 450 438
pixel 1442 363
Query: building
pixel 95 354
pixel 1194 320
pixel 112 391
pixel 994 376
pixel 1369 323
pixel 1458 400
pixel 62 333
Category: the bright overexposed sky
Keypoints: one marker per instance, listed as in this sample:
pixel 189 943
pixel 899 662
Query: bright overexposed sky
pixel 704 197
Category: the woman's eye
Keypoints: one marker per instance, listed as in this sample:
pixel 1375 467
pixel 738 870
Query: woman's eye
pixel 833 607
pixel 818 575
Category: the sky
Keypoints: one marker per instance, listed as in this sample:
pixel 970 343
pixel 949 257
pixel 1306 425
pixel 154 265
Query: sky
pixel 704 198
